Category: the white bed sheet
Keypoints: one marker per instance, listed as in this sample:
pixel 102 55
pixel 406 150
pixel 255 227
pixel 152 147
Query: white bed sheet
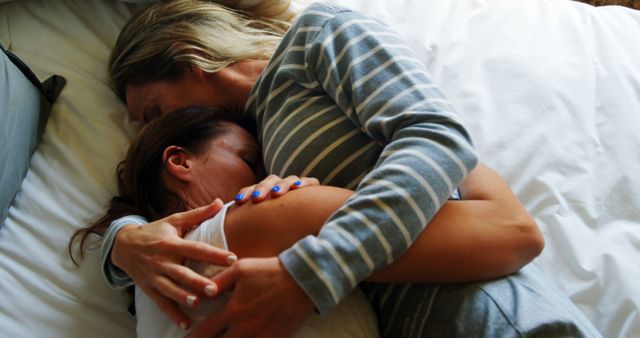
pixel 550 91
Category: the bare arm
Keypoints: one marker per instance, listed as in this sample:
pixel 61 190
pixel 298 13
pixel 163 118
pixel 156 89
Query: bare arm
pixel 488 234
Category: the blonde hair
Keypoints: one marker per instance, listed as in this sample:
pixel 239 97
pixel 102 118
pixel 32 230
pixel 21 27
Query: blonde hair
pixel 158 41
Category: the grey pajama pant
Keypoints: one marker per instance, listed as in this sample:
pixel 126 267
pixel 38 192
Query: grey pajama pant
pixel 524 304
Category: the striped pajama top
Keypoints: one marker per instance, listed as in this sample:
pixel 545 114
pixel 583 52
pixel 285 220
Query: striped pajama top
pixel 343 99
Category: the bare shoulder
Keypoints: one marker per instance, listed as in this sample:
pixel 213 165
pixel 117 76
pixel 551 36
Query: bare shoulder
pixel 316 199
pixel 268 227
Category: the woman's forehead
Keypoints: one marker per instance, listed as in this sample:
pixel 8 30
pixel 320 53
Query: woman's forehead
pixel 140 98
pixel 235 134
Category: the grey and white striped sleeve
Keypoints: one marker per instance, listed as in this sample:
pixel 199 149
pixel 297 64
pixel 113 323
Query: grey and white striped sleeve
pixel 386 92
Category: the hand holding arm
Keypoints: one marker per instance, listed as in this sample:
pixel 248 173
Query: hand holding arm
pixel 265 301
pixel 152 254
pixel 487 235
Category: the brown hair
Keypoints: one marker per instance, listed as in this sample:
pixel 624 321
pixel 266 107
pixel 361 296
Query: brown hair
pixel 141 189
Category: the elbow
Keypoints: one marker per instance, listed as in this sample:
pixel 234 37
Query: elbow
pixel 539 243
pixel 530 244
pixel 534 240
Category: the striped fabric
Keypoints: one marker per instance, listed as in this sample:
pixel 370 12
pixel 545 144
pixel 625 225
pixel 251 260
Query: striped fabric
pixel 344 100
pixel 403 309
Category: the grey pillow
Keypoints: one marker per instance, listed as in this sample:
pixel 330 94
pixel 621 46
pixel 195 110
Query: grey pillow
pixel 25 103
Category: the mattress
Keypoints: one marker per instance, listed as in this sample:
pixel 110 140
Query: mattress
pixel 549 90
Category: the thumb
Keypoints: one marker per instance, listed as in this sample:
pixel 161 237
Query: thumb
pixel 191 218
pixel 226 280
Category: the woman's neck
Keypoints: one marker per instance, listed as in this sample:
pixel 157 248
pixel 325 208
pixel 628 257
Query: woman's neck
pixel 240 78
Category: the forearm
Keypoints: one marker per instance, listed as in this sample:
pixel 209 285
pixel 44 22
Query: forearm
pixel 486 235
pixel 467 241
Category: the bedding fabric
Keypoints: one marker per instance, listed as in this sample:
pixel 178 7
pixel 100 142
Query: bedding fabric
pixel 549 90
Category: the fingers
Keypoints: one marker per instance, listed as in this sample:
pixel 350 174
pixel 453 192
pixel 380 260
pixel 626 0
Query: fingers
pixel 293 182
pixel 169 289
pixel 188 278
pixel 169 308
pixel 261 190
pixel 244 194
pixel 226 279
pixel 200 251
pixel 284 185
pixel 180 280
pixel 257 192
pixel 265 187
pixel 265 301
pixel 307 182
pixel 192 218
pixel 217 323
pixel 273 186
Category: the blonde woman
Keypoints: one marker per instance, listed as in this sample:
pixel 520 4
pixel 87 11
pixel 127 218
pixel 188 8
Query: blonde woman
pixel 333 95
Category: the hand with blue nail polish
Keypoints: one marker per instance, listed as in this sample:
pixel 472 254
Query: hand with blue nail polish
pixel 273 186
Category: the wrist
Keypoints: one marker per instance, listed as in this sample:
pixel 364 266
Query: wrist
pixel 300 291
pixel 121 238
pixel 322 296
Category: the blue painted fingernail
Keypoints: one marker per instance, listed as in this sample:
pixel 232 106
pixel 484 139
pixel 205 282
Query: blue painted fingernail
pixel 275 189
pixel 297 182
pixel 239 197
pixel 255 194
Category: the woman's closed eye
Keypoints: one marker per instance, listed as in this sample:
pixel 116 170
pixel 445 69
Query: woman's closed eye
pixel 251 156
pixel 150 114
pixel 252 162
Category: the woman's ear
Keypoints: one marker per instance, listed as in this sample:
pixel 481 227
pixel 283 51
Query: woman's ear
pixel 177 162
